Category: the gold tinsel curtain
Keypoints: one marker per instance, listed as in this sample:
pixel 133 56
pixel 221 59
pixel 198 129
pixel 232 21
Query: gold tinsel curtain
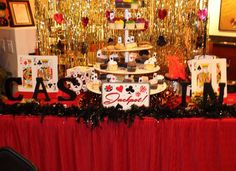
pixel 75 29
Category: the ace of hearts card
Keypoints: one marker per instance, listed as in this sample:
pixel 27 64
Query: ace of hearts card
pixel 30 67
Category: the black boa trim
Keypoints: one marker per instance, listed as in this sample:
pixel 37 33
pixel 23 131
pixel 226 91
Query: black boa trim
pixel 93 115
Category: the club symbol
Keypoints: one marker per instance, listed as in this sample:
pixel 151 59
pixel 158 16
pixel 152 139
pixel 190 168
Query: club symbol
pixel 130 89
pixel 39 62
pixel 49 85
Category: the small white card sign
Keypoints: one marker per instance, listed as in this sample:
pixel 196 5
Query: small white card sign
pixel 125 94
pixel 31 67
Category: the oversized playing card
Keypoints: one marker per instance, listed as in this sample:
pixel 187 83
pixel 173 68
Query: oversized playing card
pixel 208 71
pixel 202 71
pixel 221 74
pixel 25 68
pixel 31 67
pixel 82 75
pixel 125 94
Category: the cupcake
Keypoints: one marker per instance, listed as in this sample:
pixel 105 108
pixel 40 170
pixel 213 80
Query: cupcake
pixel 131 45
pixel 134 5
pixel 143 79
pixel 103 77
pixel 153 83
pixel 112 65
pixel 96 85
pixel 119 46
pixel 111 24
pixel 119 24
pixel 136 78
pixel 103 66
pixel 130 24
pixel 160 79
pixel 131 66
pixel 142 59
pixel 149 65
pixel 127 80
pixel 140 24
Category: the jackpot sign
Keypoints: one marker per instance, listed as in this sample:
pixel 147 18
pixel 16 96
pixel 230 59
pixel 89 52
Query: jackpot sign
pixel 125 94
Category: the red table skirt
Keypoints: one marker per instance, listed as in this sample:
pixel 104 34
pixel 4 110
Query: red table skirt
pixel 62 144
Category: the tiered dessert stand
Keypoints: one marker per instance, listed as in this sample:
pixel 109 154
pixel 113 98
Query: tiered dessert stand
pixel 123 71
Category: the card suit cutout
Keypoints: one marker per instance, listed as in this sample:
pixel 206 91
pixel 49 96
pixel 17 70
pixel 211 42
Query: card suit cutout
pixel 39 62
pixel 162 13
pixel 120 88
pixel 199 68
pixel 49 85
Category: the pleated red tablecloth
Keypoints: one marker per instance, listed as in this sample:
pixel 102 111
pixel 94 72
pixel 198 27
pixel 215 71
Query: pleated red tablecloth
pixel 62 144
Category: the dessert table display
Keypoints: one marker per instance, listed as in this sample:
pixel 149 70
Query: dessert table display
pixel 79 132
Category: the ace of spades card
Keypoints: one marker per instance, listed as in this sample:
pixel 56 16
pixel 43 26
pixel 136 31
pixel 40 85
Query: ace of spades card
pixel 40 66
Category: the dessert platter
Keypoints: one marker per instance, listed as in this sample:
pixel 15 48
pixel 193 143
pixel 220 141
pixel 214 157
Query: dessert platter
pixel 127 60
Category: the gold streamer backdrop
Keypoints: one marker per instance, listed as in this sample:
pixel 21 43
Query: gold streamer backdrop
pixel 76 44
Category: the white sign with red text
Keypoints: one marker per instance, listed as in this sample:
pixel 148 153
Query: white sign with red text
pixel 125 94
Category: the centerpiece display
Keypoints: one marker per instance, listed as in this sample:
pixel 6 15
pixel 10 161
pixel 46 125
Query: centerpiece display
pixel 124 59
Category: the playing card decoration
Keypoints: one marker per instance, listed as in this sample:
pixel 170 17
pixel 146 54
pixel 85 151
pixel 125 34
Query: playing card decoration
pixel 125 94
pixel 162 13
pixel 208 70
pixel 85 21
pixel 31 67
pixel 82 75
pixel 58 17
pixel 202 14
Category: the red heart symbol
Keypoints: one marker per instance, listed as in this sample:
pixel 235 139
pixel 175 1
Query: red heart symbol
pixel 120 88
pixel 162 13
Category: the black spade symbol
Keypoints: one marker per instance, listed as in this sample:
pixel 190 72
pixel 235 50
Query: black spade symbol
pixel 39 62
pixel 110 40
pixel 49 85
pixel 161 41
pixel 130 89
pixel 199 68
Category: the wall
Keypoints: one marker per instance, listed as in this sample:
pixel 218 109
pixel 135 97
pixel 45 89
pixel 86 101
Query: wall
pixel 221 43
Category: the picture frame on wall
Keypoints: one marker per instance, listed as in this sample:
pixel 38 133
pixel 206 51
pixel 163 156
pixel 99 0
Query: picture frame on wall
pixel 217 29
pixel 227 15
pixel 20 13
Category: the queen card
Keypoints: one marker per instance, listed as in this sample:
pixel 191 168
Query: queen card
pixel 221 74
pixel 25 67
pixel 202 72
